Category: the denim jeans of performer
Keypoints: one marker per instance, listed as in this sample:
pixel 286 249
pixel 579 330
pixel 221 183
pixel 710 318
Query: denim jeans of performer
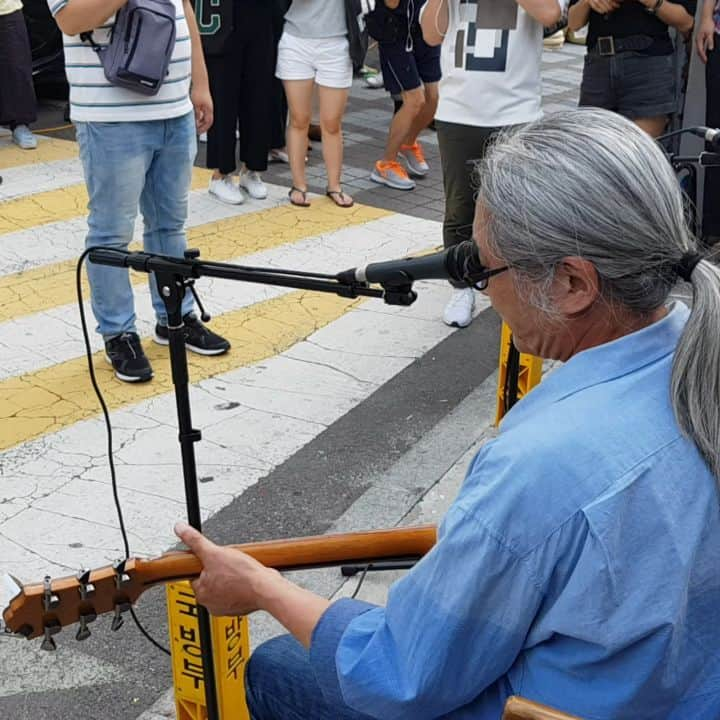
pixel 131 165
pixel 281 685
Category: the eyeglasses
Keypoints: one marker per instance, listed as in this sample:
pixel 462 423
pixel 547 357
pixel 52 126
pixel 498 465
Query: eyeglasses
pixel 480 278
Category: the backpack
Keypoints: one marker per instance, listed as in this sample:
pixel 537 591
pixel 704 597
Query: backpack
pixel 141 44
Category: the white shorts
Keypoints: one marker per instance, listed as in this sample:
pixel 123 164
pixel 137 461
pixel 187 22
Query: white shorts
pixel 327 61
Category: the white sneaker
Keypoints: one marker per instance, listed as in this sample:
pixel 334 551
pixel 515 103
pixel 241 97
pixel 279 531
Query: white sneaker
pixel 279 155
pixel 459 310
pixel 252 182
pixel 225 190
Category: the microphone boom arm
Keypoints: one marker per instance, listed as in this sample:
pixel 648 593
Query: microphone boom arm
pixel 190 268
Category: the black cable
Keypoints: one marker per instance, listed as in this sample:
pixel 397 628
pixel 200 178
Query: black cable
pixel 361 580
pixel 672 134
pixel 108 427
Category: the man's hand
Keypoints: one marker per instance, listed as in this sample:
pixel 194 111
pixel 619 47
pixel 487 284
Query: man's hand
pixel 203 104
pixel 604 7
pixel 705 39
pixel 229 581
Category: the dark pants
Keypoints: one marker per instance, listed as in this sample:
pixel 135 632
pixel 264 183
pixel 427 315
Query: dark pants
pixel 281 685
pixel 459 145
pixel 240 82
pixel 17 95
pixel 279 110
pixel 711 199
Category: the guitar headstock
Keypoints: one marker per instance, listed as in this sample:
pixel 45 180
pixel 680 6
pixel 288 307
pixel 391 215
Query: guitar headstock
pixel 43 609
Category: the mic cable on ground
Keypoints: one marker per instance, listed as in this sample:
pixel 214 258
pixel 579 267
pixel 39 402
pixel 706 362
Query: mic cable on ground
pixel 108 427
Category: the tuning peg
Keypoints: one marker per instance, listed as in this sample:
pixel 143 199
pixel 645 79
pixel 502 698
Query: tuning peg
pixel 118 620
pixel 24 631
pixel 83 632
pixel 121 577
pixel 86 588
pixel 48 643
pixel 50 600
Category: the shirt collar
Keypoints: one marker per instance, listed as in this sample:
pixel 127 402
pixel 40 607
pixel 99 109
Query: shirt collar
pixel 605 362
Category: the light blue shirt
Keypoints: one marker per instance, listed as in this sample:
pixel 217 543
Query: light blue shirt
pixel 579 565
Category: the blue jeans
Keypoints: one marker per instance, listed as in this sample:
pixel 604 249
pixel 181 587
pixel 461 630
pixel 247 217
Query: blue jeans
pixel 129 165
pixel 281 685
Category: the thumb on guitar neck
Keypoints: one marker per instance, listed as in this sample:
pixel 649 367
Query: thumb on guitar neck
pixel 196 542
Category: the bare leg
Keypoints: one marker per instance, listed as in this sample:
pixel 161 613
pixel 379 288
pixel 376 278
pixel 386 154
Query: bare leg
pixel 299 97
pixel 403 122
pixel 332 108
pixel 653 126
pixel 426 114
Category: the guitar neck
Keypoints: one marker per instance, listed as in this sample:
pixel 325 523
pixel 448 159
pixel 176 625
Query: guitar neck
pixel 303 553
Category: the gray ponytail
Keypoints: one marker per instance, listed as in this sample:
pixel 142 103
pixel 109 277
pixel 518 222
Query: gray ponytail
pixel 695 382
pixel 589 183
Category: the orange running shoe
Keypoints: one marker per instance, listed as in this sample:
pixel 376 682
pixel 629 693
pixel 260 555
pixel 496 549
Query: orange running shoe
pixel 414 156
pixel 392 174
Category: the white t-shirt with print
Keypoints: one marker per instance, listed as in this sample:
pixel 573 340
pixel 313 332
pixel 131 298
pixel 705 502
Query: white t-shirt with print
pixel 491 59
pixel 94 99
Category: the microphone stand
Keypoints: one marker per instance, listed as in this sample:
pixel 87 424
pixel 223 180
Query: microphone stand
pixel 689 164
pixel 174 277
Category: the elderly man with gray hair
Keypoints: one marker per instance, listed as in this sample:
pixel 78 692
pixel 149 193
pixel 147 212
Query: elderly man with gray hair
pixel 579 565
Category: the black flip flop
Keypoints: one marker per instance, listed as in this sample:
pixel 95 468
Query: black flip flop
pixel 304 202
pixel 335 194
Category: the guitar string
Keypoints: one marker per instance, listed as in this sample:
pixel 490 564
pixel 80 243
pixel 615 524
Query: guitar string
pixel 108 428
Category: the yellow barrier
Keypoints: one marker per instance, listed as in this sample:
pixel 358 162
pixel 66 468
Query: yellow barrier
pixel 529 375
pixel 231 650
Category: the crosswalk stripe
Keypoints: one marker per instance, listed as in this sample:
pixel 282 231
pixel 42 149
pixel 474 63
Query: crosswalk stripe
pixel 55 397
pixel 27 180
pixel 47 244
pixel 60 204
pixel 53 285
pixel 48 150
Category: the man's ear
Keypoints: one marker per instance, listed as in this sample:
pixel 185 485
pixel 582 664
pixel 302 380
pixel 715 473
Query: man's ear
pixel 576 286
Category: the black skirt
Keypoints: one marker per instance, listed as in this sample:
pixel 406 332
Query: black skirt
pixel 17 96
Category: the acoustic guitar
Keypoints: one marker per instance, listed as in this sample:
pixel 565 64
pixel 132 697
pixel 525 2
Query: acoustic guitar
pixel 43 609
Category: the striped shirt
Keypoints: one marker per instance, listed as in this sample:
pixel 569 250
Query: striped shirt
pixel 94 99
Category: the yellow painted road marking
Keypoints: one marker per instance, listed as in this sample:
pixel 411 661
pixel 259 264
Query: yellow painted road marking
pixel 54 398
pixel 47 151
pixel 57 205
pixel 50 286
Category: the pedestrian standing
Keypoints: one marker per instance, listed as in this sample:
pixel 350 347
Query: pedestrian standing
pixel 630 61
pixel 314 50
pixel 411 72
pixel 241 76
pixel 18 106
pixel 136 150
pixel 491 54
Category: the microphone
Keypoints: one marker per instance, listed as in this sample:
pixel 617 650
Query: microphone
pixel 710 135
pixel 457 263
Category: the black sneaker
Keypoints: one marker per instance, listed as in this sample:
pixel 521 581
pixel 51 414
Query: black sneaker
pixel 197 337
pixel 124 352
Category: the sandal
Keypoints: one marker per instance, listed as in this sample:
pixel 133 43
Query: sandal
pixel 339 198
pixel 303 193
